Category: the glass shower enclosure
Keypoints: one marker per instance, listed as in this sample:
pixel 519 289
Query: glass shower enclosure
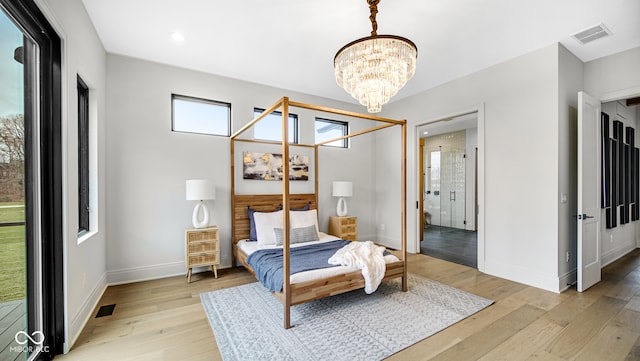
pixel 444 197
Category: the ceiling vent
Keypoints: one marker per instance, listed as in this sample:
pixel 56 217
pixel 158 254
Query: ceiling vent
pixel 593 33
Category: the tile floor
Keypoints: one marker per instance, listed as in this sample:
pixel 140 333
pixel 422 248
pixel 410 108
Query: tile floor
pixel 451 244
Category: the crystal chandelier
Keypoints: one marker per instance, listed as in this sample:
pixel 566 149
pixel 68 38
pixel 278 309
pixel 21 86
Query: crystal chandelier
pixel 374 68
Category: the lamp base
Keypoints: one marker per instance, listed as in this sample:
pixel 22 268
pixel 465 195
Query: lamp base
pixel 342 207
pixel 197 222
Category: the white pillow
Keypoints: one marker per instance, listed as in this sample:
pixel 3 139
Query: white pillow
pixel 299 219
pixel 265 223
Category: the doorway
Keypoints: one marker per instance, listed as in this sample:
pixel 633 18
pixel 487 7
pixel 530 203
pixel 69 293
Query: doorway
pixel 614 200
pixel 448 182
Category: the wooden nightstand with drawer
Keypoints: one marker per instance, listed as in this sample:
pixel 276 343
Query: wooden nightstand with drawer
pixel 202 249
pixel 344 227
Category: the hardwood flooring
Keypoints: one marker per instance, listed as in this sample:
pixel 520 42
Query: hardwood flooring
pixel 163 319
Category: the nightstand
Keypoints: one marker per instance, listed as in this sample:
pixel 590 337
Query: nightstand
pixel 202 249
pixel 344 227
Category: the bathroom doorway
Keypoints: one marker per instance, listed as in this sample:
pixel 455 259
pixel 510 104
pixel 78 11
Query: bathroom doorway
pixel 449 192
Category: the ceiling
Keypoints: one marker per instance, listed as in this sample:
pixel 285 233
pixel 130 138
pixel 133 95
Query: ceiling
pixel 448 125
pixel 291 43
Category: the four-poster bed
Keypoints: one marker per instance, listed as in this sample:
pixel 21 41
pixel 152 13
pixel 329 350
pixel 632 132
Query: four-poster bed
pixel 313 288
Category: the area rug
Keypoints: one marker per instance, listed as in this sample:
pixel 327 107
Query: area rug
pixel 248 325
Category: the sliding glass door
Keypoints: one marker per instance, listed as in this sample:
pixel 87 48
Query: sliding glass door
pixel 21 333
pixel 31 298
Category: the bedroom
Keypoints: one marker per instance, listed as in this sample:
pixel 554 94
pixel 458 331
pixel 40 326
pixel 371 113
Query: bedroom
pixel 142 163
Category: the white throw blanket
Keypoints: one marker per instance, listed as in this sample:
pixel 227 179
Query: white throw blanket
pixel 365 256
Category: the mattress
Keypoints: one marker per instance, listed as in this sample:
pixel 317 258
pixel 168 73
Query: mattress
pixel 249 247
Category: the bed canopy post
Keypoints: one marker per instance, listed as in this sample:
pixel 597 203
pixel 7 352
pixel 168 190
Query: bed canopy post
pixel 317 170
pixel 233 199
pixel 285 214
pixel 404 207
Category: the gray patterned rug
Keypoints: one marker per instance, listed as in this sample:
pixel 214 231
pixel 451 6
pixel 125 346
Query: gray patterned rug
pixel 247 321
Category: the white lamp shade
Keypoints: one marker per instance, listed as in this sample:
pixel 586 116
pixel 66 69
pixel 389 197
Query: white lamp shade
pixel 200 189
pixel 342 189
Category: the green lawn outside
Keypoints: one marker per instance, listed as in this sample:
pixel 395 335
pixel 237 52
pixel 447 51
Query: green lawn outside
pixel 12 254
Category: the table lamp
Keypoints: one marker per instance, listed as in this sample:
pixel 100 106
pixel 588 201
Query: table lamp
pixel 342 189
pixel 200 190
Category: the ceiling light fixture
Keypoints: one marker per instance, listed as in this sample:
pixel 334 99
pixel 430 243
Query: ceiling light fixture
pixel 177 36
pixel 372 69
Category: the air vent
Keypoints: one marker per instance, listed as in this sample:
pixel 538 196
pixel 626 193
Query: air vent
pixel 105 310
pixel 593 33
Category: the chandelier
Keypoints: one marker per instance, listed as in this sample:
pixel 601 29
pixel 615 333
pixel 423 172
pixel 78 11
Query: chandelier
pixel 374 68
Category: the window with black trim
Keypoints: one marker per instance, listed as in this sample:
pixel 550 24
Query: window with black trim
pixel 270 127
pixel 327 129
pixel 83 157
pixel 202 116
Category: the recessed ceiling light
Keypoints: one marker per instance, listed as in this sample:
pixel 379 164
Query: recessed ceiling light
pixel 425 133
pixel 177 36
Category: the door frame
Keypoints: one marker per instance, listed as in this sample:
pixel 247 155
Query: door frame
pixel 611 97
pixel 422 220
pixel 480 179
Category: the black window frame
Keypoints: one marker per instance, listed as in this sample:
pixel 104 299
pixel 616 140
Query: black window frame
pixel 345 131
pixel 292 116
pixel 200 100
pixel 83 158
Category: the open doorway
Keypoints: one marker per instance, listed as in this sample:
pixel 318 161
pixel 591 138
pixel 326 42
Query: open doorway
pixel 448 182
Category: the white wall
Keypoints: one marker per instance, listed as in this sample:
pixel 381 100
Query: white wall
pixel 520 163
pixel 388 188
pixel 614 77
pixel 569 84
pixel 85 263
pixel 148 164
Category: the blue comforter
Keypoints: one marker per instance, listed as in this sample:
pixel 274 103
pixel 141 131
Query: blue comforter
pixel 267 263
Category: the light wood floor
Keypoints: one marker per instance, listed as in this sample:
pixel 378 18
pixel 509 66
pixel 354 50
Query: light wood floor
pixel 163 319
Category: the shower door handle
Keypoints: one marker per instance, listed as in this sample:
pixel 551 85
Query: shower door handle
pixel 452 196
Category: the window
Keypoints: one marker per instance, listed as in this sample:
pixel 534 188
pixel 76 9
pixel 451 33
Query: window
pixel 195 115
pixel 327 129
pixel 269 127
pixel 83 157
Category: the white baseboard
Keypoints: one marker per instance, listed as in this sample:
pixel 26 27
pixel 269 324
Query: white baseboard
pixel 615 254
pixel 145 273
pixel 76 325
pixel 388 241
pixel 567 280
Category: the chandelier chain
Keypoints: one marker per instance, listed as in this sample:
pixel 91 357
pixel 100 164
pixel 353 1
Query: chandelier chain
pixel 373 8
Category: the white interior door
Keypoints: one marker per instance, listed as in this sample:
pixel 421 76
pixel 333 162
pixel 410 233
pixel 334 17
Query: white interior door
pixel 588 191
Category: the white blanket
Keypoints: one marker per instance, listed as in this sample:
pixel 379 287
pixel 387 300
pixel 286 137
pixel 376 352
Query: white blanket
pixel 365 256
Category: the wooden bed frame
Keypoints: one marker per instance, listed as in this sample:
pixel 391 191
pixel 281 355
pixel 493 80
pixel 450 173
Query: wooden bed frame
pixel 293 294
pixel 306 291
